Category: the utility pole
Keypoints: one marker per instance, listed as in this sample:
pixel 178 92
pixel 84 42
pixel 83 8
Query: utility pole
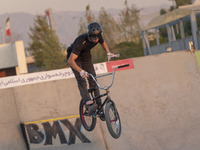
pixel 3 36
pixel 50 19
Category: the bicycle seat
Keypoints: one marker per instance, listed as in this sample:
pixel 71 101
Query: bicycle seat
pixel 92 89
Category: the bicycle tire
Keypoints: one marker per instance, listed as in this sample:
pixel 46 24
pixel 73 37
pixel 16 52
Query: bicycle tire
pixel 113 120
pixel 88 121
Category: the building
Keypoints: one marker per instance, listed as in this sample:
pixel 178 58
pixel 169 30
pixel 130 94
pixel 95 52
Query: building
pixel 175 23
pixel 12 59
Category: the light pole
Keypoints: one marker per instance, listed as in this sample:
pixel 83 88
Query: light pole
pixel 2 30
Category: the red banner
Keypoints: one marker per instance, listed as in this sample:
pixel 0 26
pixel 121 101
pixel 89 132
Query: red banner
pixel 112 64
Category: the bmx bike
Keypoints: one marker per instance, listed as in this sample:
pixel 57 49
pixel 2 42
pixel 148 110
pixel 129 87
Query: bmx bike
pixel 111 114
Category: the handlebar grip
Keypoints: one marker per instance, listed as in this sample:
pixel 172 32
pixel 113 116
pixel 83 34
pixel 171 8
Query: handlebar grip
pixel 126 65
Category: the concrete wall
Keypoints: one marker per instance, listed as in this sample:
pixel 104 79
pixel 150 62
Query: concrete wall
pixel 10 131
pixel 158 102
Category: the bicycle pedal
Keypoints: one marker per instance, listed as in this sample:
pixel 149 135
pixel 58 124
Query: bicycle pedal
pixel 102 116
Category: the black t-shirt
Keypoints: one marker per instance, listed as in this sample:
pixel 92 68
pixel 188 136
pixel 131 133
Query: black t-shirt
pixel 82 47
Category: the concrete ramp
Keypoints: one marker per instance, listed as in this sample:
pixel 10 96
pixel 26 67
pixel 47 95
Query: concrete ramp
pixel 158 102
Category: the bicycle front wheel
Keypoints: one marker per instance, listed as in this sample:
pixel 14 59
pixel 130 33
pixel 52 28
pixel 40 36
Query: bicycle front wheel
pixel 113 120
pixel 88 121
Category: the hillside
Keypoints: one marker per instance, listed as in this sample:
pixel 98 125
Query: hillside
pixel 67 23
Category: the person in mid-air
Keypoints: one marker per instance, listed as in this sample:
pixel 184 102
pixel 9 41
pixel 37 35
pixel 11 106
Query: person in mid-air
pixel 79 59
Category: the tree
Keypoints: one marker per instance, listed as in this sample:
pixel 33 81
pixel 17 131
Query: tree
pixel 129 23
pixel 110 27
pixel 89 17
pixel 129 49
pixel 83 26
pixel 162 11
pixel 97 52
pixel 183 2
pixel 126 30
pixel 171 8
pixel 45 45
pixel 107 22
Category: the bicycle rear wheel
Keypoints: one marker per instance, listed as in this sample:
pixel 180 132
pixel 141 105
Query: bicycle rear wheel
pixel 88 121
pixel 113 120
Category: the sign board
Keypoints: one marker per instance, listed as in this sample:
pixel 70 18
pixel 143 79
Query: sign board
pixel 112 64
pixel 66 73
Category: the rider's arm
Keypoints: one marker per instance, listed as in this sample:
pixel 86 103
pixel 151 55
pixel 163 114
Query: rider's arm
pixel 109 54
pixel 72 62
pixel 105 47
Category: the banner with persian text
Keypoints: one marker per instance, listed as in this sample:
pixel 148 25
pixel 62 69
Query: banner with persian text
pixel 32 78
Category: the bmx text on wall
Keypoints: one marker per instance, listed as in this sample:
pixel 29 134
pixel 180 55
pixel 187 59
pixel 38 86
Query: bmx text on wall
pixel 53 133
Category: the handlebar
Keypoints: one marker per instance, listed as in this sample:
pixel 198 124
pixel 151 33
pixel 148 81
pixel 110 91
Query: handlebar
pixel 126 65
pixel 112 73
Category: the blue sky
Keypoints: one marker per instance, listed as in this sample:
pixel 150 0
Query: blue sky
pixel 38 6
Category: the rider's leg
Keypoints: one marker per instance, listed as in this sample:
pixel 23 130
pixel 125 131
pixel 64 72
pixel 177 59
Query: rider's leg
pixel 96 91
pixel 82 84
pixel 88 66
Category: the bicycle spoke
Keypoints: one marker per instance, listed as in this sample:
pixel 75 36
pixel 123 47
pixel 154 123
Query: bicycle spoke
pixel 88 121
pixel 113 120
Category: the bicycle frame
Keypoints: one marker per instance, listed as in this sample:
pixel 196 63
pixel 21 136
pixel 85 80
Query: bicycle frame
pixel 112 73
pixel 106 88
